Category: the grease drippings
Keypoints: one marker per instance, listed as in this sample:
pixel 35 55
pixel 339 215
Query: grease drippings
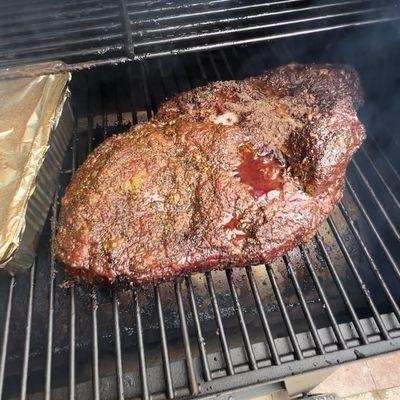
pixel 261 173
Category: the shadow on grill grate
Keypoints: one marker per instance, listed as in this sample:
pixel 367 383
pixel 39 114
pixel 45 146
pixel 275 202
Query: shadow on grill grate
pixel 332 300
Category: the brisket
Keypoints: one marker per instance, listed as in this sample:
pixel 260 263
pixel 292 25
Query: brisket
pixel 230 174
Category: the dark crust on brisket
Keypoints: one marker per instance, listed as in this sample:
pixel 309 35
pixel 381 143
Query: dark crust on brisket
pixel 230 174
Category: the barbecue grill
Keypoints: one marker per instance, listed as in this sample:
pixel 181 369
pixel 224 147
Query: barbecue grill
pixel 235 333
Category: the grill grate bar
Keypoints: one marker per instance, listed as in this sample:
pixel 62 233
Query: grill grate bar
pixel 115 49
pixel 73 163
pixel 321 293
pixel 201 67
pixel 59 68
pixel 187 7
pixel 93 293
pixel 382 155
pixel 341 289
pixel 167 2
pixel 72 303
pixel 164 346
pixel 303 303
pixel 383 180
pixel 142 357
pixel 225 11
pixel 14 49
pixel 190 26
pixel 292 335
pixel 95 348
pixel 126 24
pixel 227 64
pixel 28 331
pixel 118 359
pixel 360 282
pixel 168 7
pixel 370 260
pixel 72 345
pixel 264 38
pixel 263 318
pixel 371 191
pixel 200 340
pixel 194 389
pixel 50 317
pixel 253 27
pixel 216 70
pixel 150 108
pixel 6 330
pixel 221 330
pixel 242 323
pixel 373 228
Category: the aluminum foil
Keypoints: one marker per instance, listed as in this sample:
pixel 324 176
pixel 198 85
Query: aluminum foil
pixel 30 111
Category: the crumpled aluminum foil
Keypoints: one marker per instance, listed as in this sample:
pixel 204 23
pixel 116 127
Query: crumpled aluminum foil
pixel 30 110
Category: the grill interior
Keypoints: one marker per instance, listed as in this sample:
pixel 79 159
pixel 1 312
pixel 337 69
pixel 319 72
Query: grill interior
pixel 98 31
pixel 332 300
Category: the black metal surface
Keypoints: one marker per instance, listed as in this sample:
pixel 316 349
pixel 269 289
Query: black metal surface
pixel 118 351
pixel 164 345
pixel 220 328
pixel 28 332
pixel 332 300
pixel 86 33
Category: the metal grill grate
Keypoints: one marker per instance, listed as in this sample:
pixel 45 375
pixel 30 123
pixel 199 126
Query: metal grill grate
pixel 89 32
pixel 333 300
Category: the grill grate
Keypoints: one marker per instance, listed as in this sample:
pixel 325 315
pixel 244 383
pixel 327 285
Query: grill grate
pixel 85 33
pixel 333 300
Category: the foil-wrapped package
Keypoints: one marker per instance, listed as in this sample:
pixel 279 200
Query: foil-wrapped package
pixel 36 124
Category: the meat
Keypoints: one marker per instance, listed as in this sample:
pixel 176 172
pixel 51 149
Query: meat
pixel 230 174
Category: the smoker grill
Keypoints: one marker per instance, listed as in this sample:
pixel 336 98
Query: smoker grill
pixel 233 333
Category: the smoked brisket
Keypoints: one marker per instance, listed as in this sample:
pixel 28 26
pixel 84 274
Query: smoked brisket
pixel 230 174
